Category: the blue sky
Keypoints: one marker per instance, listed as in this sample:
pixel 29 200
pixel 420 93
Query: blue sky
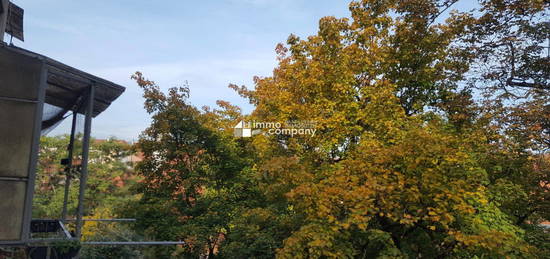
pixel 209 44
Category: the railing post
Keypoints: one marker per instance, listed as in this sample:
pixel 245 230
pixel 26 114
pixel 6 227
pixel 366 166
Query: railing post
pixel 85 155
pixel 69 168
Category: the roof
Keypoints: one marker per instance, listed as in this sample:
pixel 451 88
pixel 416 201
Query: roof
pixel 67 84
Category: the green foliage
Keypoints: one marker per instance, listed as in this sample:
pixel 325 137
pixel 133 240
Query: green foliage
pixel 430 143
pixel 191 185
pixel 406 163
pixel 108 189
pixel 105 167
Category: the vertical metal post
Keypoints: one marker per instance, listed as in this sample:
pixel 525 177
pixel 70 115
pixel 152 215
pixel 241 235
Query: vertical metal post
pixel 70 168
pixel 3 17
pixel 27 214
pixel 85 153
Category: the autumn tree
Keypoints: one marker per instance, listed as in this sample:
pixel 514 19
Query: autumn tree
pixel 429 143
pixel 509 40
pixel 194 179
pixel 399 164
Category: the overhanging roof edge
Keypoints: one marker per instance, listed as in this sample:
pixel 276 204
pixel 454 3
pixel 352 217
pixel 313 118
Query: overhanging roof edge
pixel 72 75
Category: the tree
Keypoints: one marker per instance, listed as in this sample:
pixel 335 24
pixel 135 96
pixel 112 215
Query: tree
pixel 102 191
pixel 510 68
pixel 108 189
pixel 405 162
pixel 508 41
pixel 192 172
pixel 383 171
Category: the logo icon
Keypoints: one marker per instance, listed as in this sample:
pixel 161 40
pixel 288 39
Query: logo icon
pixel 241 130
